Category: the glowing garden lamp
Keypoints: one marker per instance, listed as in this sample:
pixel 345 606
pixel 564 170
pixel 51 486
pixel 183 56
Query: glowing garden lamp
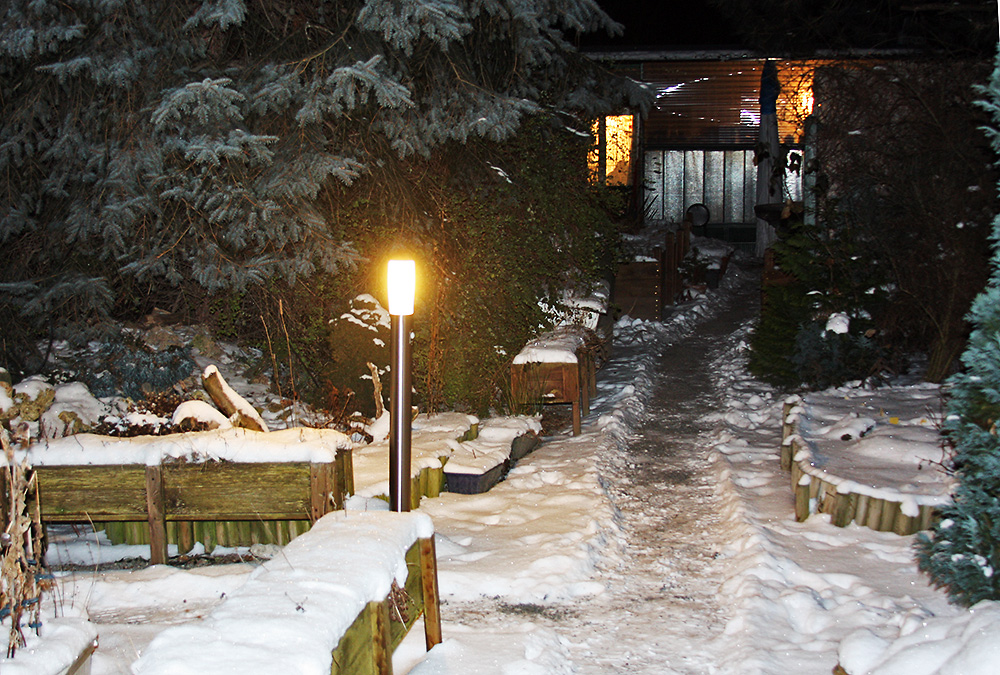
pixel 402 278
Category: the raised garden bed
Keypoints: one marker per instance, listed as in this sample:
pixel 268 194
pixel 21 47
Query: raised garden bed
pixel 220 487
pixel 865 460
pixel 480 472
pixel 559 367
pixel 339 599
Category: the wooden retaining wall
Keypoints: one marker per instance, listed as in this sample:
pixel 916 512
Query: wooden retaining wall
pixel 816 493
pixel 642 289
pixel 367 646
pixel 184 502
pixel 429 482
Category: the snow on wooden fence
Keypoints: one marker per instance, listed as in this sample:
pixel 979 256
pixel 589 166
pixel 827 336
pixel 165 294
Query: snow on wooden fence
pixel 339 599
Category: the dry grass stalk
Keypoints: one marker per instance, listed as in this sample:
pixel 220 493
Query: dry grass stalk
pixel 399 603
pixel 22 574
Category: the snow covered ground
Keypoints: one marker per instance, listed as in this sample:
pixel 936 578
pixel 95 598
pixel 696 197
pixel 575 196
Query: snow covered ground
pixel 526 567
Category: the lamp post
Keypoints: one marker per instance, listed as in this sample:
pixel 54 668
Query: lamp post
pixel 402 287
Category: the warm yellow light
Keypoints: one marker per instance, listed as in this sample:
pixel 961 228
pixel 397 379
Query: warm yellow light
pixel 402 278
pixel 616 151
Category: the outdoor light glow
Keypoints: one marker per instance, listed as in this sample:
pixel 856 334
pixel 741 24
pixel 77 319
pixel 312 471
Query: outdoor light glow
pixel 402 279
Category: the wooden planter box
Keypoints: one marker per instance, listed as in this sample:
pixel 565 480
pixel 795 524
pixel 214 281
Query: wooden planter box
pixel 367 646
pixel 544 382
pixel 216 502
pixel 343 569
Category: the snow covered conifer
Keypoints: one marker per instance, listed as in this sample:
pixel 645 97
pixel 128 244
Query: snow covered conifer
pixel 962 553
pixel 152 151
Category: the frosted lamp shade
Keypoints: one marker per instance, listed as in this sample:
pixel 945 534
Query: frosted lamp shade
pixel 402 286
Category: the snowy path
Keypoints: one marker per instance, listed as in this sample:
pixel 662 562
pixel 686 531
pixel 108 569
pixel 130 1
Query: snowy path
pixel 664 487
pixel 658 610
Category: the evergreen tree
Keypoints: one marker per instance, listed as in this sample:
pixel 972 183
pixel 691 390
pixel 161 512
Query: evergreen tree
pixel 154 146
pixel 827 270
pixel 962 553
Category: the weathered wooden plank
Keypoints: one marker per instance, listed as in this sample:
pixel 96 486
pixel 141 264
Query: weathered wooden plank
pixel 345 462
pixel 156 515
pixel 381 639
pixel 431 598
pixel 415 493
pixel 230 491
pixel 73 493
pixel 354 654
pixel 408 603
pixel 320 487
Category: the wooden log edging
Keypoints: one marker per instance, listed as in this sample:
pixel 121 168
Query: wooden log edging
pixel 816 491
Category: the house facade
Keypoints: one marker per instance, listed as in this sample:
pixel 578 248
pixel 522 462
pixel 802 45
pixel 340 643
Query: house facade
pixel 701 140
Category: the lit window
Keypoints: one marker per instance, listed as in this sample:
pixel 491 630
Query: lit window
pixel 613 150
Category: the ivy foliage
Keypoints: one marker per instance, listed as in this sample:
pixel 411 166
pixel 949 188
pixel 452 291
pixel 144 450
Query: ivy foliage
pixel 497 230
pixel 962 552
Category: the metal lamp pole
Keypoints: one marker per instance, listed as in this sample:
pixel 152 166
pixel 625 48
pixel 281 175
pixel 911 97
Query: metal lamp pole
pixel 402 287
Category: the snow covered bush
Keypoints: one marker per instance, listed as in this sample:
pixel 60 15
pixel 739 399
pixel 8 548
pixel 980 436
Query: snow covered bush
pixel 795 341
pixel 962 553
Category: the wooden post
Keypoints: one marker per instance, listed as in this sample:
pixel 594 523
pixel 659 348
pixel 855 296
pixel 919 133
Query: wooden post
pixel 802 497
pixel 890 512
pixel 338 481
pixel 926 517
pixel 319 490
pixel 861 510
pixel 432 599
pixel 345 459
pixel 843 509
pixel 904 524
pixel 156 514
pixel 874 515
pixel 382 639
pixel 787 452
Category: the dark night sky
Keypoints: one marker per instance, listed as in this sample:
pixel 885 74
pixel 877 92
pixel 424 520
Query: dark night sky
pixel 663 25
pixel 959 27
